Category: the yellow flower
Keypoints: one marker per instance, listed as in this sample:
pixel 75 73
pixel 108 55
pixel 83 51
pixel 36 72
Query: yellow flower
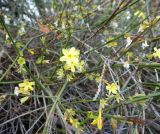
pixel 112 88
pixel 69 77
pixel 19 45
pixel 72 60
pixel 157 52
pixel 98 120
pixel 113 43
pixel 143 26
pixel 60 73
pixel 31 51
pixel 70 112
pixel 90 115
pixel 21 61
pixel 71 67
pixel 26 85
pixel 70 56
pixel 24 88
pixel 90 76
pixel 74 122
pixel 80 66
pixel 22 91
pixel 118 98
pixel 139 14
pixel 103 103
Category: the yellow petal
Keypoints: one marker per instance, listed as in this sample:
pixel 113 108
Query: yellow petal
pixel 21 85
pixel 63 58
pixel 24 99
pixel 64 51
pixel 32 83
pixel 99 123
pixel 94 122
pixel 71 120
pixel 72 49
pixel 73 69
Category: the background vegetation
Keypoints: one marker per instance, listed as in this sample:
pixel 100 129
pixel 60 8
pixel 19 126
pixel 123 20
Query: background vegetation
pixel 79 66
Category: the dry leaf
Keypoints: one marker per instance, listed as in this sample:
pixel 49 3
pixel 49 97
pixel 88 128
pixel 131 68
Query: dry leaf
pixel 43 28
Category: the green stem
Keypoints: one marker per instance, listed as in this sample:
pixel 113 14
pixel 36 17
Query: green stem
pixel 54 106
pixel 10 37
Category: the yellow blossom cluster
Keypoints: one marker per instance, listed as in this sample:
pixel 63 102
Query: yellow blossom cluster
pixel 72 63
pixel 70 113
pixel 72 59
pixel 112 88
pixel 146 24
pixel 24 88
pixel 98 119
